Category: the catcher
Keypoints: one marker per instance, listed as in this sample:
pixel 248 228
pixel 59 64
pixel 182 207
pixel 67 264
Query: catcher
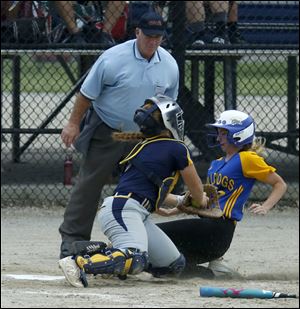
pixel 205 238
pixel 151 170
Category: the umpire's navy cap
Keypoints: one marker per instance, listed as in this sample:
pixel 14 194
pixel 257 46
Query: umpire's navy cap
pixel 152 23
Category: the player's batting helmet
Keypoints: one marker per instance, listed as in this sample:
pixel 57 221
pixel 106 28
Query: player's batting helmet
pixel 240 127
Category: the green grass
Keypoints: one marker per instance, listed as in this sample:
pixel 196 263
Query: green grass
pixel 263 78
pixel 40 76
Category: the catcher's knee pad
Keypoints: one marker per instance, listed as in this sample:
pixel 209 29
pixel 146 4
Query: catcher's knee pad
pixel 174 268
pixel 114 262
pixel 138 261
pixel 178 265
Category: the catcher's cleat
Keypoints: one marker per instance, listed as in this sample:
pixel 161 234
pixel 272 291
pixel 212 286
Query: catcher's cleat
pixel 122 277
pixel 83 278
pixel 71 271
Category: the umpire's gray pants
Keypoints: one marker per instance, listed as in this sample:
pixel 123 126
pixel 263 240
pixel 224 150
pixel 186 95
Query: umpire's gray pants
pixel 102 157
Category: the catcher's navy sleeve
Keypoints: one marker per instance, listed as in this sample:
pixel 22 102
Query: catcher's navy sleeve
pixel 163 157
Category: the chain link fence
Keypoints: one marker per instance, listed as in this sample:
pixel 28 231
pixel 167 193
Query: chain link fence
pixel 231 54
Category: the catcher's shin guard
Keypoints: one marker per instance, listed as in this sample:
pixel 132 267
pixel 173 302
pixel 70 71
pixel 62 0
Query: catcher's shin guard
pixel 174 268
pixel 115 262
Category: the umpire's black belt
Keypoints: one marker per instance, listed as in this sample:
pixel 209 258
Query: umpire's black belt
pixel 146 203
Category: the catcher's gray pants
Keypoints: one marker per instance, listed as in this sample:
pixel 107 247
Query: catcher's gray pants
pixel 130 226
pixel 102 157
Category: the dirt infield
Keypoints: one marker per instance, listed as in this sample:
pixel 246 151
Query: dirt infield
pixel 265 251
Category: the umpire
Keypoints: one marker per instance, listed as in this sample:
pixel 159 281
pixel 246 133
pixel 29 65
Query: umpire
pixel 118 83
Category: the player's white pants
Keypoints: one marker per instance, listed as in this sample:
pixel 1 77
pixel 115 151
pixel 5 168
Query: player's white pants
pixel 129 225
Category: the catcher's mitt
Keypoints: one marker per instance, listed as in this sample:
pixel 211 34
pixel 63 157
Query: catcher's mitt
pixel 213 210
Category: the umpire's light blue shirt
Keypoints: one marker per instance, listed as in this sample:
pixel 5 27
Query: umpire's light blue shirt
pixel 121 79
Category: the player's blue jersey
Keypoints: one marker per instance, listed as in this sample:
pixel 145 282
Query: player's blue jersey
pixel 165 157
pixel 235 178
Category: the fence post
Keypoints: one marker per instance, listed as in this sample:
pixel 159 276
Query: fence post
pixel 195 78
pixel 178 39
pixel 16 86
pixel 229 69
pixel 2 136
pixel 209 86
pixel 292 100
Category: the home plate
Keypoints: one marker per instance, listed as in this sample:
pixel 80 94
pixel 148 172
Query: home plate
pixel 34 277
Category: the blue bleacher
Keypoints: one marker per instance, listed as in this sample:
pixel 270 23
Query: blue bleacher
pixel 269 23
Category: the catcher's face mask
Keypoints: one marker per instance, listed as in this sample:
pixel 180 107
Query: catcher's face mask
pixel 172 116
pixel 149 126
pixel 240 128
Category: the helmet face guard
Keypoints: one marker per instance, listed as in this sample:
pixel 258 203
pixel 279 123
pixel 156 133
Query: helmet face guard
pixel 147 123
pixel 172 116
pixel 240 128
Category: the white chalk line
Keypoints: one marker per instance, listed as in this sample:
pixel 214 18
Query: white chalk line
pixel 33 277
pixel 115 298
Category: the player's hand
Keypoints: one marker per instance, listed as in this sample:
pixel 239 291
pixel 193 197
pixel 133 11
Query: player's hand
pixel 168 212
pixel 69 133
pixel 258 209
pixel 205 200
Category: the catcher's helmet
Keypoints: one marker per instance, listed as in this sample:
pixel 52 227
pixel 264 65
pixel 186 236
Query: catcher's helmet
pixel 240 127
pixel 171 116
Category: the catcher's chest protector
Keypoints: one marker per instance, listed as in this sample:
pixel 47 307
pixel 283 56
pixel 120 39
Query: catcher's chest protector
pixel 164 185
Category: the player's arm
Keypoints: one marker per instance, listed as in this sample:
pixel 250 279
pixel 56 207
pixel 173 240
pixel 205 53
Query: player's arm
pixel 278 189
pixel 71 131
pixel 168 212
pixel 194 184
pixel 173 201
